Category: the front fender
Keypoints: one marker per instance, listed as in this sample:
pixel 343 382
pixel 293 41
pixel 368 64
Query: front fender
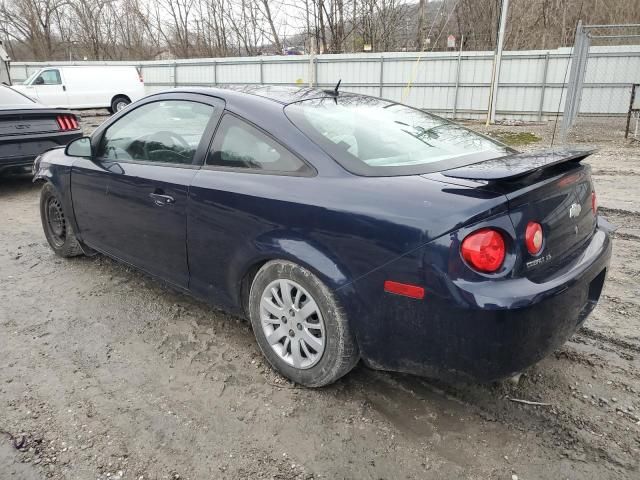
pixel 54 168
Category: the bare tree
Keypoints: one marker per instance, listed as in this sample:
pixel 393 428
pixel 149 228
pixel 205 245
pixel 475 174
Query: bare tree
pixel 144 29
pixel 30 23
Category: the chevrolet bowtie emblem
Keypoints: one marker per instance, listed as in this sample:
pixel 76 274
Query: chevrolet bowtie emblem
pixel 574 210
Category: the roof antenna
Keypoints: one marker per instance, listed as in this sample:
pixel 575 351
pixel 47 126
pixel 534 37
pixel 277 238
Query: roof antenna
pixel 335 90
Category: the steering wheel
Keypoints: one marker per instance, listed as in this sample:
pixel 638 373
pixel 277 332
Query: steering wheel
pixel 160 137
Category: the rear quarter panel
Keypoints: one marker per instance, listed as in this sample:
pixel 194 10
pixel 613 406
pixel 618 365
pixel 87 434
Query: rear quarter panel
pixel 341 228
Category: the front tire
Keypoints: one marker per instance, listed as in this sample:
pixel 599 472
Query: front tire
pixel 299 325
pixel 119 103
pixel 57 229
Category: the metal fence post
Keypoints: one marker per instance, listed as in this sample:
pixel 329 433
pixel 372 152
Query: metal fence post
pixel 381 75
pixel 261 72
pixel 574 88
pixel 315 71
pixel 175 74
pixel 631 102
pixel 215 73
pixel 544 85
pixel 455 95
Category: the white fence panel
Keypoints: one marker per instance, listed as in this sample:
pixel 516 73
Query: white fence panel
pixel 531 87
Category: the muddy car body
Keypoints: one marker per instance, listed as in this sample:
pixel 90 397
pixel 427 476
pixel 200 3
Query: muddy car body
pixel 422 267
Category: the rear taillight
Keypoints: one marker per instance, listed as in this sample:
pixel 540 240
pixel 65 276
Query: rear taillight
pixel 533 238
pixel 484 250
pixel 67 122
pixel 594 203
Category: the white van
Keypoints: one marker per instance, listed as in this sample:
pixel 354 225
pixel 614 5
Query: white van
pixel 99 86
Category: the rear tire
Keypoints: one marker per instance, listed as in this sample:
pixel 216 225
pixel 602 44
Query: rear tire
pixel 57 229
pixel 118 103
pixel 299 325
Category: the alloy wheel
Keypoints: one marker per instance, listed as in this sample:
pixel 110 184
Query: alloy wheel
pixel 292 323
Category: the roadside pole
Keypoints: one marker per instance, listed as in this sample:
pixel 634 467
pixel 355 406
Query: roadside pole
pixel 497 60
pixel 312 59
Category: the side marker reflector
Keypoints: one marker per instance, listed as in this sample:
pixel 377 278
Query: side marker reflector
pixel 404 289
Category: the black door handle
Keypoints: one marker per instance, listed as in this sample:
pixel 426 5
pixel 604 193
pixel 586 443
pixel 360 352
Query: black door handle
pixel 162 200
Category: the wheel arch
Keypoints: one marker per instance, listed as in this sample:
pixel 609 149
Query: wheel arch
pixel 115 97
pixel 56 171
pixel 245 265
pixel 120 95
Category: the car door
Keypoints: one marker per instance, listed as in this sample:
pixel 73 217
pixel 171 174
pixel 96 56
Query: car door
pixel 50 89
pixel 130 200
pixel 248 187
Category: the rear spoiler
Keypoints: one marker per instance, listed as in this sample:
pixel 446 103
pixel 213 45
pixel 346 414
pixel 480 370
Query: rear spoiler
pixel 519 164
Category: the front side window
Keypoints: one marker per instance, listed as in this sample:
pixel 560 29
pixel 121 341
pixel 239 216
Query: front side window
pixel 240 145
pixel 163 132
pixel 374 137
pixel 48 77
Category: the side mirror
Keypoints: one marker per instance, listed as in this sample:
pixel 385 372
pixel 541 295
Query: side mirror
pixel 80 147
pixel 38 81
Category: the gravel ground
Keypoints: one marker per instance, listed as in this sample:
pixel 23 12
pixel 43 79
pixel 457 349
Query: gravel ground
pixel 107 374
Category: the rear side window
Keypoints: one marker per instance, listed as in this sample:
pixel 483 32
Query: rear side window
pixel 240 145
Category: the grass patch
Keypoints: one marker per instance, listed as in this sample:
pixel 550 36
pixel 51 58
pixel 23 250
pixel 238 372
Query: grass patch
pixel 516 139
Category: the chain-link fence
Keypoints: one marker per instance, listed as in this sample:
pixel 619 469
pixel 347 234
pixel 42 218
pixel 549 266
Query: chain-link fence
pixel 597 87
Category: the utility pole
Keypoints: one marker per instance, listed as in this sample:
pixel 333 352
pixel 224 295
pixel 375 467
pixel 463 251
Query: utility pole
pixel 421 26
pixel 312 61
pixel 497 60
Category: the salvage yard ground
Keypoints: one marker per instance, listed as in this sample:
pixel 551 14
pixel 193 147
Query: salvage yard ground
pixel 105 373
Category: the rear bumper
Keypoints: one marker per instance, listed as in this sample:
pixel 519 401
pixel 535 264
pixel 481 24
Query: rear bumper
pixel 489 330
pixel 21 151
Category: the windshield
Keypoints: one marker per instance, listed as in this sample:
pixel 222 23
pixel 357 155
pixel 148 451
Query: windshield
pixel 375 137
pixel 31 78
pixel 9 97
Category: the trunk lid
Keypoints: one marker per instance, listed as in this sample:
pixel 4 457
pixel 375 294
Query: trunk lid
pixel 562 204
pixel 550 187
pixel 28 122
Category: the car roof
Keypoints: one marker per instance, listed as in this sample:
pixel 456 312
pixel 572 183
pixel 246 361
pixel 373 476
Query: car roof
pixel 281 94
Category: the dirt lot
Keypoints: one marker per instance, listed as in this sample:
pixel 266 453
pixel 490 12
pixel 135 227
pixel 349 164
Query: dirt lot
pixel 105 373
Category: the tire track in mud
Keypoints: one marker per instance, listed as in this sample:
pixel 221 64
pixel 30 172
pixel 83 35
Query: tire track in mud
pixel 601 337
pixel 627 223
pixel 574 436
pixel 618 212
pixel 607 172
pixel 581 427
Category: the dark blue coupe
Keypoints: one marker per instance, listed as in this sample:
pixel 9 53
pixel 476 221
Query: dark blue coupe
pixel 343 226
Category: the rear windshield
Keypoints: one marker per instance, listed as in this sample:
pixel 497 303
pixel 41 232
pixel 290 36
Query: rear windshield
pixel 10 98
pixel 374 137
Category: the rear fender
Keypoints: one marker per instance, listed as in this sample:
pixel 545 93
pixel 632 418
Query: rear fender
pixel 282 245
